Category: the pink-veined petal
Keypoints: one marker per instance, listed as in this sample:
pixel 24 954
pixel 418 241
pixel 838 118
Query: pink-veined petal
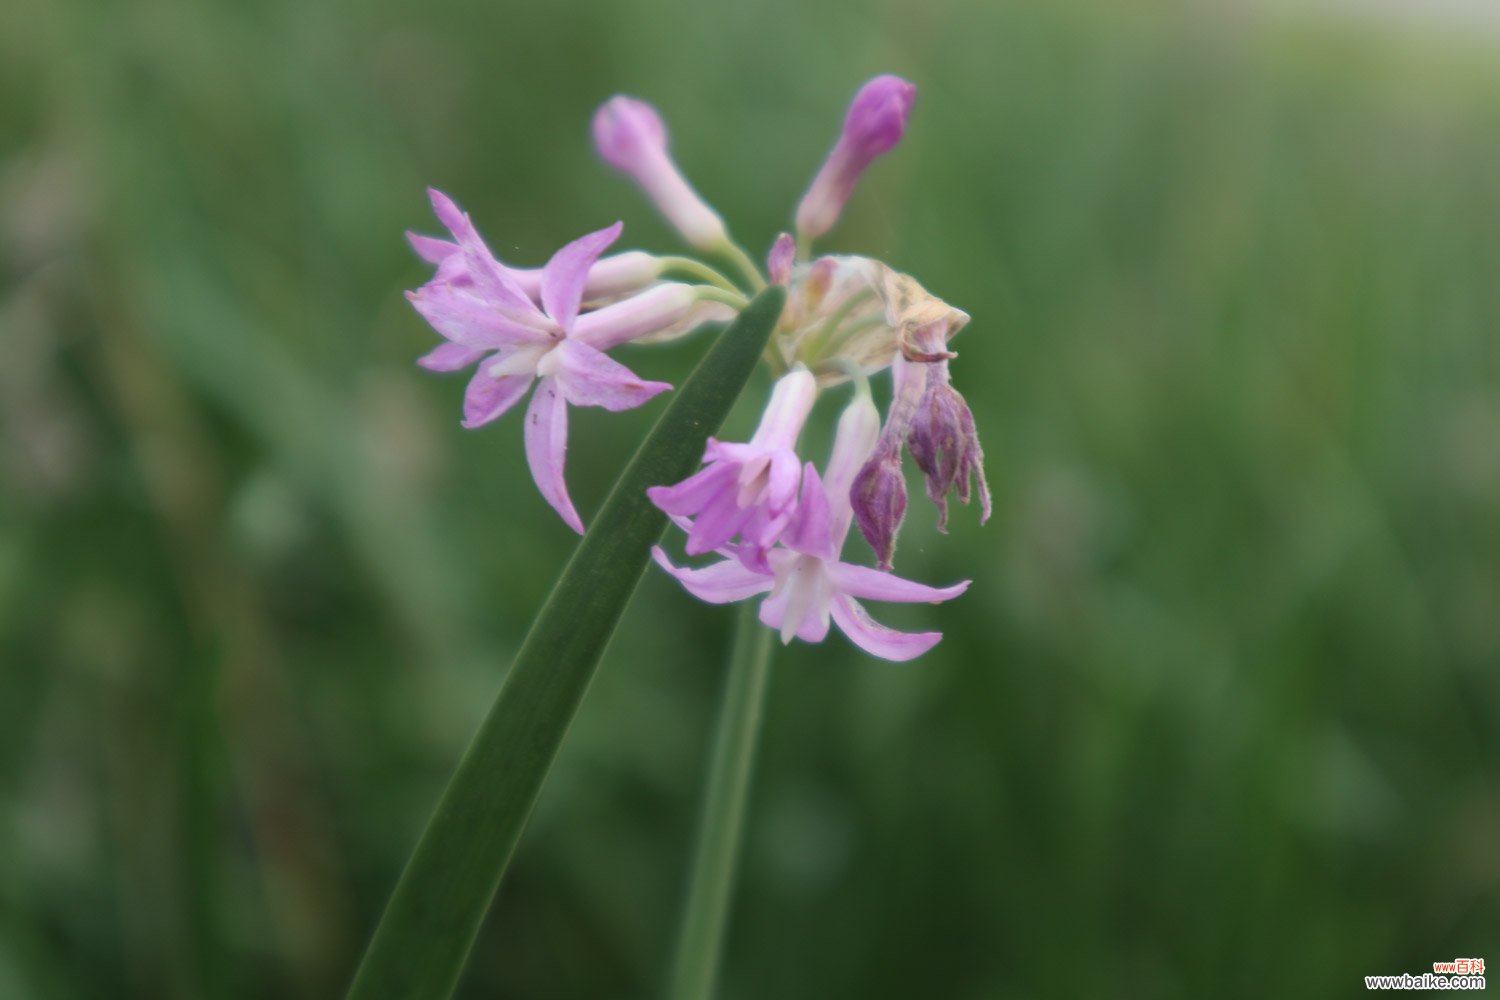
pixel 450 357
pixel 465 318
pixel 811 527
pixel 488 274
pixel 876 585
pixel 720 519
pixel 875 638
pixel 487 397
pixel 430 248
pixel 689 496
pixel 547 447
pixel 591 378
pixel 785 477
pixel 566 274
pixel 720 583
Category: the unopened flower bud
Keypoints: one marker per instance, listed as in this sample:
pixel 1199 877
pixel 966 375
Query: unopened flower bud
pixel 874 125
pixel 630 136
pixel 779 261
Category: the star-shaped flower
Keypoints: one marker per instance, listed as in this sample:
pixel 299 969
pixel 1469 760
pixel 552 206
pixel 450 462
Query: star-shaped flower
pixel 807 584
pixel 488 319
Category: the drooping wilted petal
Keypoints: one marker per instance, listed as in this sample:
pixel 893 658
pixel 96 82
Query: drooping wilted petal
pixel 547 448
pixel 878 496
pixel 591 378
pixel 566 274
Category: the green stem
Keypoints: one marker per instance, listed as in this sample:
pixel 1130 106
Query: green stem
pixel 419 948
pixel 688 267
pixel 700 935
pixel 736 255
pixel 734 299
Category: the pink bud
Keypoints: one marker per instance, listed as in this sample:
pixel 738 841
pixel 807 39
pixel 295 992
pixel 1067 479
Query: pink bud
pixel 630 136
pixel 874 125
pixel 779 262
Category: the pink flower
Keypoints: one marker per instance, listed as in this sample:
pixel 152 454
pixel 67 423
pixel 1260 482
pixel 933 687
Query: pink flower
pixel 747 489
pixel 806 583
pixel 874 125
pixel 489 320
pixel 630 136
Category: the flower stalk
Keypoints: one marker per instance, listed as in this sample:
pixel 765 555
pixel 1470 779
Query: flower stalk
pixel 710 892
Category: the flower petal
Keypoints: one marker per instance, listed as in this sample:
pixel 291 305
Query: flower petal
pixel 489 274
pixel 875 585
pixel 430 248
pixel 465 318
pixel 487 397
pixel 547 446
pixel 720 519
pixel 811 528
pixel 719 583
pixel 800 604
pixel 689 496
pixel 567 272
pixel 450 357
pixel 590 378
pixel 875 638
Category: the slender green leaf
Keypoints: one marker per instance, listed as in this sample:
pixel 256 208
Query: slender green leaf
pixel 429 925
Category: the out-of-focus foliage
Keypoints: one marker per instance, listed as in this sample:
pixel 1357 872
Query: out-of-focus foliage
pixel 1218 716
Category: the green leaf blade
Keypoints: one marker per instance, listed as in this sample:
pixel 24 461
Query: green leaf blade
pixel 423 940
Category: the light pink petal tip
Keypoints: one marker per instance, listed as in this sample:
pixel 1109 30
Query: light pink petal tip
pixel 487 272
pixel 450 357
pixel 877 639
pixel 567 273
pixel 875 585
pixel 430 248
pixel 546 449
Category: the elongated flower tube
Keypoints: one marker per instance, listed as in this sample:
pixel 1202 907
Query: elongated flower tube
pixel 747 489
pixel 631 137
pixel 874 125
pixel 805 582
pixel 488 320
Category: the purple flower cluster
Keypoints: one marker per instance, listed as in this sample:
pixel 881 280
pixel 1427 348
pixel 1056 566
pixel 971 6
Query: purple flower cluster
pixel 778 523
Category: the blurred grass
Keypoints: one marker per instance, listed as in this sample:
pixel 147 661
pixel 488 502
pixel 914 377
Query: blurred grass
pixel 1217 718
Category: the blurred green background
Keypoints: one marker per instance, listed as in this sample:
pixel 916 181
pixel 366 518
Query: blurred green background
pixel 1217 718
